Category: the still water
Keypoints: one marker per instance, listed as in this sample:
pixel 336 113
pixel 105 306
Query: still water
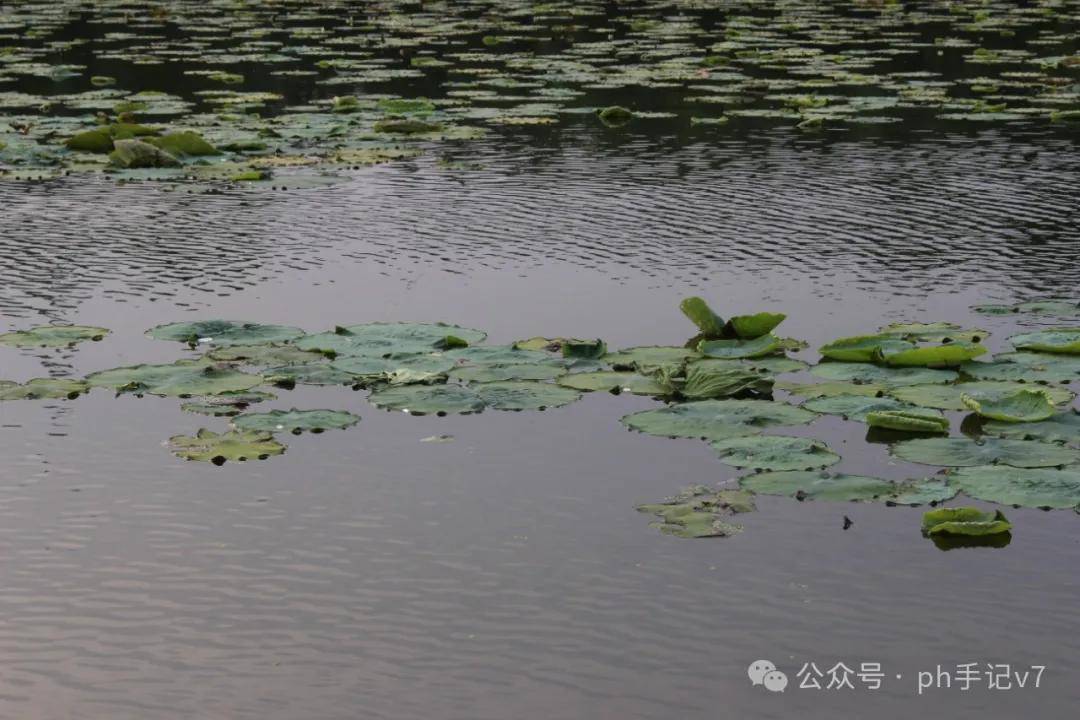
pixel 505 573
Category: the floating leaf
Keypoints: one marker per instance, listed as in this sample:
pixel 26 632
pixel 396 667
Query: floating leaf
pixel 889 377
pixel 496 355
pixel 964 521
pixel 417 368
pixel 1035 488
pixel 52 336
pixel 698 311
pixel 698 512
pixel 775 452
pixel 816 485
pixel 852 407
pixel 859 348
pixel 264 355
pixel 295 421
pixel 380 339
pixel 962 452
pixel 932 356
pixel 181 379
pixel 43 389
pixel 1024 406
pixel 950 397
pixel 615 116
pixel 427 399
pixel 749 327
pixel 1061 340
pixel 1061 428
pixel 831 389
pixel 224 332
pixel 586 349
pixel 941 332
pixel 548 370
pixel 637 358
pixel 717 419
pixel 612 382
pixel 226 404
pixel 288 376
pixel 525 395
pixel 239 446
pixel 738 349
pixel 909 420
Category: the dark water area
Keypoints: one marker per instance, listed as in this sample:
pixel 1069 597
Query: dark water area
pixel 506 573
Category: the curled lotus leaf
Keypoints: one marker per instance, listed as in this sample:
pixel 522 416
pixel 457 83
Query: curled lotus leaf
pixel 1061 428
pixel 887 376
pixel 295 421
pixel 840 487
pixel 708 323
pixel 775 452
pixel 429 399
pixel 762 346
pixel 226 404
pixel 180 379
pixel 415 368
pixel 612 382
pixel 525 395
pixel 931 356
pixel 858 348
pixel 964 521
pixel 699 512
pixel 548 370
pixel 288 376
pixel 923 420
pixel 53 336
pixel 717 419
pixel 963 452
pixel 584 349
pixel 831 389
pixel 43 389
pixel 1023 406
pixel 238 446
pixel 1059 340
pixel 224 332
pixel 264 355
pixel 950 397
pixel 1034 488
pixel 379 339
pixel 852 407
pixel 749 327
pixel 705 382
pixel 638 358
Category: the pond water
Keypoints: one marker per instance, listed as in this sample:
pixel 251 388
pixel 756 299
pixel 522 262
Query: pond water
pixel 504 572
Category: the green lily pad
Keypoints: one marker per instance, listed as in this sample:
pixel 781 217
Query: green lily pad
pixel 496 355
pixel 548 370
pixel 816 485
pixel 699 512
pixel 1057 308
pixel 428 399
pixel 963 452
pixel 705 382
pixel 1061 428
pixel 1034 488
pixel 1045 373
pixel 932 356
pixel 184 144
pixel 295 421
pixel 750 327
pixel 637 358
pixel 717 419
pixel 585 349
pixel 698 311
pixel 950 397
pixel 1060 340
pixel 396 369
pixel 525 395
pixel 615 116
pixel 237 446
pixel 858 348
pixel 852 407
pixel 180 379
pixel 774 364
pixel 288 376
pixel 380 339
pixel 133 154
pixel 1024 406
pixel 875 374
pixel 612 382
pixel 53 336
pixel 775 452
pixel 923 420
pixel 226 404
pixel 964 521
pixel 831 389
pixel 43 389
pixel 940 332
pixel 739 349
pixel 224 332
pixel 264 355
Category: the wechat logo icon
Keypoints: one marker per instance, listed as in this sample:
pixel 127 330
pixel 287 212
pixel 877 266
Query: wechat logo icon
pixel 763 672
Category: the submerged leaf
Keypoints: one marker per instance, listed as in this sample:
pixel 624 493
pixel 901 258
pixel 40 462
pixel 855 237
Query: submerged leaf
pixel 811 485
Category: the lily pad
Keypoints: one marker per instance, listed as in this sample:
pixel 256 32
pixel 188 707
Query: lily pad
pixel 831 389
pixel 931 356
pixel 852 407
pixel 811 485
pixel 238 446
pixel 963 452
pixel 288 376
pixel 495 355
pixel 889 377
pixel 637 358
pixel 224 332
pixel 548 370
pixel 428 399
pixel 703 382
pixel 699 512
pixel 858 348
pixel 396 368
pixel 380 339
pixel 1060 340
pixel 585 349
pixel 964 521
pixel 612 382
pixel 226 404
pixel 922 420
pixel 1024 406
pixel 1061 428
pixel 717 419
pixel 1034 488
pixel 749 327
pixel 525 395
pixel 180 379
pixel 264 355
pixel 775 452
pixel 296 421
pixel 43 389
pixel 53 336
pixel 738 349
pixel 950 397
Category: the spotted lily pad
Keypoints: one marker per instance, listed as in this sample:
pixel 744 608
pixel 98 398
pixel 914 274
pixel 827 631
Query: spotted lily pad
pixel 717 419
pixel 1023 406
pixel 775 452
pixel 699 512
pixel 208 446
pixel 224 332
pixel 964 521
pixel 817 485
pixel 380 339
pixel 43 389
pixel 963 452
pixel 1060 340
pixel 1035 488
pixel 53 336
pixel 295 421
pixel 181 379
pixel 951 397
pixel 923 420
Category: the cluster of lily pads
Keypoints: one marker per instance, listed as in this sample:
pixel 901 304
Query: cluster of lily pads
pixel 1021 444
pixel 324 85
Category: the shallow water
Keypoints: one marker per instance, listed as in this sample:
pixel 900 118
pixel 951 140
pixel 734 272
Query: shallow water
pixel 506 574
